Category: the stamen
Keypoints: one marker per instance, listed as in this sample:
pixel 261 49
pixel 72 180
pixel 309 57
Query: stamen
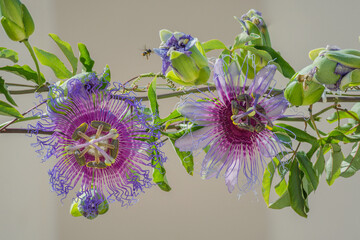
pixel 99 130
pixel 84 136
pixel 84 151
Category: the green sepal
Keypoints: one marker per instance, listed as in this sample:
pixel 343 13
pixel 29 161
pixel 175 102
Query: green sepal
pixel 351 79
pixel 13 30
pixel 294 93
pixel 53 62
pixel 325 70
pixel 28 22
pixel 347 60
pixel 200 59
pixel 313 54
pixel 3 90
pixel 9 54
pixel 106 75
pixel 312 92
pixel 165 35
pixel 184 67
pixel 85 58
pixel 8 110
pixel 25 72
pixel 67 50
pixel 74 210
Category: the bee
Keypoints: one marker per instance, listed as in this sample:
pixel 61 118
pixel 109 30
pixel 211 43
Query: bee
pixel 146 53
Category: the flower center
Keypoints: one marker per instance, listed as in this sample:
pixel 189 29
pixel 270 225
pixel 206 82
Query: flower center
pixel 248 115
pixel 100 145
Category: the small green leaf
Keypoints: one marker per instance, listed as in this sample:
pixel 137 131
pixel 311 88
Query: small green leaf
pixel 173 115
pixel 283 201
pixel 24 119
pixel 9 54
pixel 332 167
pixel 341 115
pixel 351 164
pixel 186 158
pixel 85 58
pixel 243 38
pixel 53 62
pixel 67 50
pixel 295 133
pixel 285 139
pixel 159 177
pixel 24 72
pixel 281 187
pixel 153 98
pixel 335 136
pixel 3 90
pixel 307 168
pixel 213 44
pixel 7 110
pixel 286 69
pixel 319 165
pixel 297 200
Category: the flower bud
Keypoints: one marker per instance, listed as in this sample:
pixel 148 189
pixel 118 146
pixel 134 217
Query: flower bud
pixel 16 20
pixel 89 204
pixel 334 65
pixel 185 56
pixel 303 88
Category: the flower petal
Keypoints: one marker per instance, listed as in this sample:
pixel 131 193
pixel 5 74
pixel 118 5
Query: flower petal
pixel 262 80
pixel 195 140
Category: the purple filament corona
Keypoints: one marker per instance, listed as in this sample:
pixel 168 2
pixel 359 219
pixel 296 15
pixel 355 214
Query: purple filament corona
pixel 101 139
pixel 235 126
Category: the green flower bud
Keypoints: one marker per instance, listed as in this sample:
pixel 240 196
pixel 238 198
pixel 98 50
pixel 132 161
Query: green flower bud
pixel 185 55
pixel 90 205
pixel 303 88
pixel 16 20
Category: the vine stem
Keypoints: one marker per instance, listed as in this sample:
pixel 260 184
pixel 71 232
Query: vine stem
pixel 28 46
pixel 24 130
pixel 313 122
pixel 3 129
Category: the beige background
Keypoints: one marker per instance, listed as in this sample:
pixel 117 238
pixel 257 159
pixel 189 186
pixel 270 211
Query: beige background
pixel 115 32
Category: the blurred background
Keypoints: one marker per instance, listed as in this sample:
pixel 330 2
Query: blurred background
pixel 116 32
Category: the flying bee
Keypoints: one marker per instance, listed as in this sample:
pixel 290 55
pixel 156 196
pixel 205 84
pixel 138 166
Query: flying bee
pixel 146 53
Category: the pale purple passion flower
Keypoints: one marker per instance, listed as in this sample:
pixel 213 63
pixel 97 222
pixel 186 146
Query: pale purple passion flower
pixel 177 42
pixel 100 139
pixel 235 126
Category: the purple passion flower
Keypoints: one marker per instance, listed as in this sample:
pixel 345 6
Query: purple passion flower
pixel 235 126
pixel 173 42
pixel 100 139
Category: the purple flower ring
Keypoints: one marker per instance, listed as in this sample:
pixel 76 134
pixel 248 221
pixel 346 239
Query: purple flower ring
pixel 101 139
pixel 235 126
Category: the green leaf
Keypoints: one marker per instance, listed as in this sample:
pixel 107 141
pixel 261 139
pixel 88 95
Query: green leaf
pixel 286 69
pixel 285 139
pixel 85 58
pixel 186 158
pixel 340 115
pixel 173 115
pixel 243 38
pixel 3 90
pixel 319 165
pixel 24 72
pixel 297 200
pixel 24 119
pixel 9 54
pixel 67 50
pixel 53 62
pixel 159 177
pixel 307 168
pixel 295 133
pixel 7 110
pixel 283 201
pixel 153 98
pixel 355 108
pixel 281 187
pixel 351 164
pixel 335 136
pixel 332 167
pixel 213 44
